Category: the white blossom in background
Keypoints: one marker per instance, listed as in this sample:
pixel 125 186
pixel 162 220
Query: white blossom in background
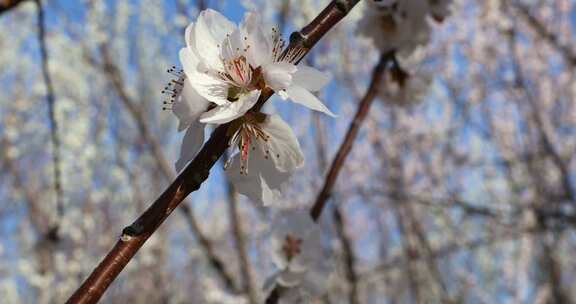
pixel 297 253
pixel 404 89
pixel 401 25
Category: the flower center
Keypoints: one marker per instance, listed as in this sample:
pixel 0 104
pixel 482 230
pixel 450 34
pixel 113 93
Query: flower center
pixel 292 246
pixel 245 132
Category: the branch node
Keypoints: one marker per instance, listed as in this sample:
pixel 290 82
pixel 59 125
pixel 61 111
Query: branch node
pixel 343 6
pixel 131 231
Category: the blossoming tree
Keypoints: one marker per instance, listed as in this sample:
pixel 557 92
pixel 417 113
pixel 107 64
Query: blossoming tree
pixel 435 166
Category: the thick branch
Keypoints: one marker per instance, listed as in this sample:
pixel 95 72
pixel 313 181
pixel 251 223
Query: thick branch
pixel 134 236
pixel 112 71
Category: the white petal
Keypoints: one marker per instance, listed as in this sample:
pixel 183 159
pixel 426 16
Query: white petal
pixel 310 78
pixel 188 106
pixel 210 31
pixel 278 75
pixel 262 183
pixel 210 87
pixel 231 45
pixel 290 279
pixel 231 110
pixel 189 35
pixel 191 144
pixel 260 44
pixel 307 99
pixel 283 145
pixel 189 60
pixel 299 224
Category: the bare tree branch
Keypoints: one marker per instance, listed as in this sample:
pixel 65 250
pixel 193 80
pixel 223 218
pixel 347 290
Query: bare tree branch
pixel 350 137
pixel 50 98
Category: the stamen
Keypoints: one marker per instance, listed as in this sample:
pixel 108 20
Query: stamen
pixel 174 87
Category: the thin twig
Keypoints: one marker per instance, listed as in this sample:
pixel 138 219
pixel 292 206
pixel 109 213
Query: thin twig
pixel 57 170
pixel 350 137
pixel 135 235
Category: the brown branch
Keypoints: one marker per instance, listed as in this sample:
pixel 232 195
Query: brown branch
pixel 6 5
pixel 134 236
pixel 350 137
pixel 114 74
pixel 348 252
pixel 50 99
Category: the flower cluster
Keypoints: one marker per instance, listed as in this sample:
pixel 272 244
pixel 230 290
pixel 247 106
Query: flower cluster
pixel 403 27
pixel 225 69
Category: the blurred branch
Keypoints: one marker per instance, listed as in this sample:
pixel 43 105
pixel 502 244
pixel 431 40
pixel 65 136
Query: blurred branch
pixel 544 138
pixel 566 51
pixel 57 170
pixel 348 142
pixel 6 5
pixel 201 4
pixel 135 235
pixel 349 259
pixel 446 250
pixel 343 151
pixel 111 70
pixel 240 243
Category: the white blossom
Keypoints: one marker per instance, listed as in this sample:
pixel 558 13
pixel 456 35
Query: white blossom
pixel 188 106
pixel 297 253
pixel 269 153
pixel 399 26
pixel 404 89
pixel 225 67
pixel 229 65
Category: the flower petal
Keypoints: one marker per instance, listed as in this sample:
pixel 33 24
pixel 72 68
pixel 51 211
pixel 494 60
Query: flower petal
pixel 258 44
pixel 231 110
pixel 310 78
pixel 262 182
pixel 283 145
pixel 188 106
pixel 210 31
pixel 208 86
pixel 290 279
pixel 298 224
pixel 304 97
pixel 278 75
pixel 191 144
